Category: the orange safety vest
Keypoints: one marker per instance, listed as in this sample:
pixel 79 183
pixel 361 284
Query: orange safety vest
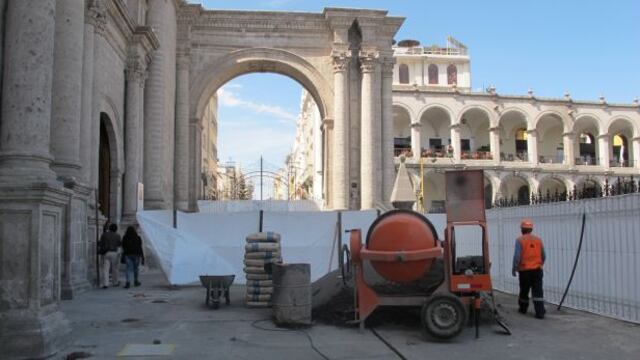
pixel 531 255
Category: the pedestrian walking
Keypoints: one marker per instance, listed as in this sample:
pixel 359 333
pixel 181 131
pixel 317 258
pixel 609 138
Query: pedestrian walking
pixel 528 260
pixel 132 252
pixel 109 246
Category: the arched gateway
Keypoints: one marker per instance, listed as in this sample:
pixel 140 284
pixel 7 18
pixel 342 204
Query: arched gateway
pixel 343 57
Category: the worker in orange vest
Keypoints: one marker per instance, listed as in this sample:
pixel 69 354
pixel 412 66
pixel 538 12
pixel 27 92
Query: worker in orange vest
pixel 528 259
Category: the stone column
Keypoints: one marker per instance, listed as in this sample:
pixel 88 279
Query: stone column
pixel 604 150
pixel 494 143
pixel 133 128
pixel 388 165
pixel 181 160
pixel 95 24
pixel 455 142
pixel 195 162
pixel 32 203
pixel 370 130
pixel 568 140
pixel 26 95
pixel 66 135
pixel 93 18
pixel 416 141
pixel 99 43
pixel 532 146
pixel 340 169
pixel 636 152
pixel 66 110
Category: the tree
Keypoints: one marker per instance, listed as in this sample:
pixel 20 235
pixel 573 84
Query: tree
pixel 245 192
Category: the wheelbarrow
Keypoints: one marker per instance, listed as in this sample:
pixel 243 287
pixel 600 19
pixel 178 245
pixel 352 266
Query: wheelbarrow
pixel 217 286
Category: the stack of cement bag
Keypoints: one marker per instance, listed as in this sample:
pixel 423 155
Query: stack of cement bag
pixel 262 250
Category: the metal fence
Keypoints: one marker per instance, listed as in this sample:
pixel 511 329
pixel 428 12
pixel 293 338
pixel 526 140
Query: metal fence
pixel 606 279
pixel 620 186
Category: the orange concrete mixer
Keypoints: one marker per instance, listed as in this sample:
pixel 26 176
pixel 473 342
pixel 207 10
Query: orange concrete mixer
pixel 402 245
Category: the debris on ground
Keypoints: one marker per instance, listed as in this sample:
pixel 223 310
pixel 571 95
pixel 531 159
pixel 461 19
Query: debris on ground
pixel 78 355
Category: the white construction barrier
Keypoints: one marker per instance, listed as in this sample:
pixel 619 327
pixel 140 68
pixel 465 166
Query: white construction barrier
pixel 213 243
pixel 606 279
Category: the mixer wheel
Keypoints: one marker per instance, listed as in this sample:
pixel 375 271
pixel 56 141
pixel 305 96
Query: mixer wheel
pixel 443 316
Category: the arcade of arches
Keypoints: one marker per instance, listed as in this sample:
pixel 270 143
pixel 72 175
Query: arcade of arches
pixel 544 150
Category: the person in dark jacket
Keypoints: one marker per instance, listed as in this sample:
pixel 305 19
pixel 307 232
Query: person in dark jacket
pixel 108 246
pixel 132 252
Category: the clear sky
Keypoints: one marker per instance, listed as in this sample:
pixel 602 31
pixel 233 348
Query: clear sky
pixel 587 47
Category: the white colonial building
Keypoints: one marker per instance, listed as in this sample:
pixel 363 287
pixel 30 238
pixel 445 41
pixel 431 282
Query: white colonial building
pixel 306 154
pixel 527 145
pixel 209 149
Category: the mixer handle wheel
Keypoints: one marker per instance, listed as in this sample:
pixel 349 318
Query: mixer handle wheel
pixel 345 269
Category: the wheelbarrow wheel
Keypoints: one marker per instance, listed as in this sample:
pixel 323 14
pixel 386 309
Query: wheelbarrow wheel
pixel 443 316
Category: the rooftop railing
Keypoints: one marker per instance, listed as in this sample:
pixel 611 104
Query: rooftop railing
pixel 431 50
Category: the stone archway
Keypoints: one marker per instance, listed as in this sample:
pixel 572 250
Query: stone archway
pixel 316 51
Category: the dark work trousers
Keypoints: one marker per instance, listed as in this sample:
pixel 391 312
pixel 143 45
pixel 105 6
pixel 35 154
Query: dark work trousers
pixel 531 280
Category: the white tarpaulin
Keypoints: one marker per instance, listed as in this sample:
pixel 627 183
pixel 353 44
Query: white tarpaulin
pixel 213 243
pixel 307 237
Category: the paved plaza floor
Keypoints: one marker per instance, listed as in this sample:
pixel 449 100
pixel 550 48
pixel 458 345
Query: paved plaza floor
pixel 105 321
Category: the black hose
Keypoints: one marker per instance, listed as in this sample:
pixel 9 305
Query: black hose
pixel 299 330
pixel 575 263
pixel 391 347
pixel 345 269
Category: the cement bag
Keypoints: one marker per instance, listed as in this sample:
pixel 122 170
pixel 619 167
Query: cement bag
pixel 251 276
pixel 257 304
pixel 258 297
pixel 259 290
pixel 259 283
pixel 263 255
pixel 254 270
pixel 260 262
pixel 262 246
pixel 268 236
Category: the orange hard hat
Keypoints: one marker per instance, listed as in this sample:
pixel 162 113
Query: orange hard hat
pixel 526 224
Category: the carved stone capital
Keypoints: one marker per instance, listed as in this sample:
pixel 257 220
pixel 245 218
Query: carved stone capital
pixel 388 64
pixel 340 60
pixel 136 69
pixel 183 58
pixel 368 60
pixel 96 15
pixel 532 132
pixel 416 126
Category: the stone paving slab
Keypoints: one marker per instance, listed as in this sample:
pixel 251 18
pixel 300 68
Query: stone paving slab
pixel 104 321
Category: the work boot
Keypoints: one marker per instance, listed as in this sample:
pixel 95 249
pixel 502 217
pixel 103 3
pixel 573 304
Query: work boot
pixel 540 310
pixel 522 310
pixel 136 283
pixel 126 286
